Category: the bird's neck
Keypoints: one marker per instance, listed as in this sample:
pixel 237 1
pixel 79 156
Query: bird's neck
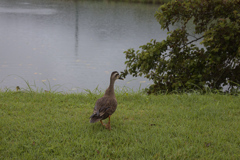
pixel 110 90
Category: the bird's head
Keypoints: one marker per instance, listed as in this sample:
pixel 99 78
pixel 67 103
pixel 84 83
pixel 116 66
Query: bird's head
pixel 115 75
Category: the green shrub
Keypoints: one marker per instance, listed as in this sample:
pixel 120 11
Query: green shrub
pixel 177 63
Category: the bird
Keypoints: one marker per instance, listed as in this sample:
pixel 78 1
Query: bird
pixel 17 88
pixel 106 106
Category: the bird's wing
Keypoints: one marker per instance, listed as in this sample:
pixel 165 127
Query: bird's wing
pixel 102 111
pixel 102 105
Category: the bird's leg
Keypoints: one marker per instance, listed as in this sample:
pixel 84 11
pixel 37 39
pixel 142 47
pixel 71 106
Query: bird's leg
pixel 108 126
pixel 102 123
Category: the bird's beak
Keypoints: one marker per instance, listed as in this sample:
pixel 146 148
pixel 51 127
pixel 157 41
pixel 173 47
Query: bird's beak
pixel 121 78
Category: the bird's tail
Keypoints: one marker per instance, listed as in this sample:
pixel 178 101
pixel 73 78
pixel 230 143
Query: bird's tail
pixel 94 118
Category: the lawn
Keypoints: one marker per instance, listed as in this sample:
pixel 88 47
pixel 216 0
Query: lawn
pixel 48 125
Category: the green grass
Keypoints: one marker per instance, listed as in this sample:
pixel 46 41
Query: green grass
pixel 178 126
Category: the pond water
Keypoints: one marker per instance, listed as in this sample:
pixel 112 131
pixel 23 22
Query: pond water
pixel 76 44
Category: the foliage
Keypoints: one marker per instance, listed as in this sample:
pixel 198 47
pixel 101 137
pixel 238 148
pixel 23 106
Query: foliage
pixel 178 126
pixel 178 63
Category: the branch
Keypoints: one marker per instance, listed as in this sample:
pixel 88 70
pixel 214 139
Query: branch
pixel 191 42
pixel 194 40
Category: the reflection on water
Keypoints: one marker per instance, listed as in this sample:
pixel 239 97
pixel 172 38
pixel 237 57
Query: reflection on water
pixel 73 43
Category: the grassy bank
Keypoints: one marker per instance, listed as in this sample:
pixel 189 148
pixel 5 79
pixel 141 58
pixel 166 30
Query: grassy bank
pixel 56 126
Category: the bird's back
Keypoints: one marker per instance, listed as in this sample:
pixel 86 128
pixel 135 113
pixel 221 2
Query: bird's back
pixel 104 107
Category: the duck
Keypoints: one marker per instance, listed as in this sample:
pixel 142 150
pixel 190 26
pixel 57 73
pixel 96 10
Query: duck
pixel 107 105
pixel 18 88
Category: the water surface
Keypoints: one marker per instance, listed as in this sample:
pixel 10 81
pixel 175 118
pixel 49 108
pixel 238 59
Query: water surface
pixel 76 44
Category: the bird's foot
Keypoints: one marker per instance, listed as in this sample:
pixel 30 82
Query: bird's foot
pixel 108 126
